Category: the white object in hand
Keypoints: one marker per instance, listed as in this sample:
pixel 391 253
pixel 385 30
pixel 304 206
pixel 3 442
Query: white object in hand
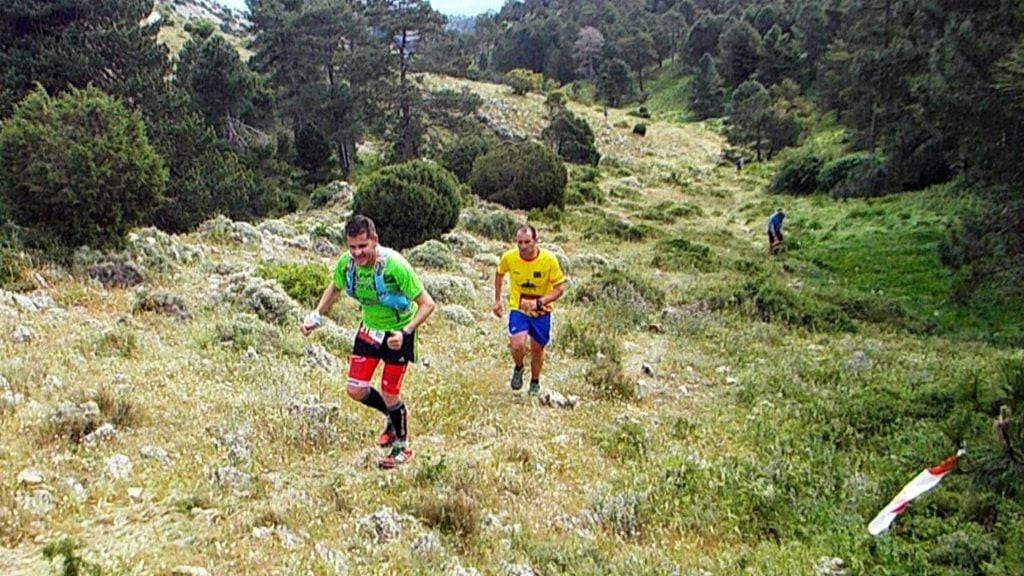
pixel 313 320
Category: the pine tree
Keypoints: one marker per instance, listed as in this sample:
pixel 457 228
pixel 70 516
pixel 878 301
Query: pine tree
pixel 706 91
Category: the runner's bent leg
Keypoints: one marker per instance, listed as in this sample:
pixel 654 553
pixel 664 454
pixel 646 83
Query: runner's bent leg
pixel 391 386
pixel 360 371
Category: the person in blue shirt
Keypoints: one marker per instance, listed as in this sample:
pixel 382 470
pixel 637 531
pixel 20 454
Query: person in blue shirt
pixel 775 231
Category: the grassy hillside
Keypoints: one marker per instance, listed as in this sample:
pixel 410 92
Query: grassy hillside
pixel 738 414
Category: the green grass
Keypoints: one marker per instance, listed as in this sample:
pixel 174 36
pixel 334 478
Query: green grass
pixel 888 248
pixel 737 414
pixel 669 94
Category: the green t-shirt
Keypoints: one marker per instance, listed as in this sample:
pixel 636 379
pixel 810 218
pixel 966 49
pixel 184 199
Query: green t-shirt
pixel 399 277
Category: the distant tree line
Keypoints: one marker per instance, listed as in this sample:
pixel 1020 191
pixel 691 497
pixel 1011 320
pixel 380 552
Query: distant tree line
pixel 932 88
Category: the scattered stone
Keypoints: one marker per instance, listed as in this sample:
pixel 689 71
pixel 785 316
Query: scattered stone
pixel 277 228
pixel 646 370
pixel 312 410
pixel 21 334
pixel 518 570
pixel 39 503
pixel 232 477
pixel 237 444
pixel 53 382
pixel 250 354
pixel 556 400
pixel 859 362
pixel 104 433
pixel 316 357
pixel 135 493
pixel 29 477
pixel 324 247
pixel 383 525
pixel 119 466
pixel 189 571
pixel 155 453
pixel 730 380
pixel 456 569
pixel 35 303
pixel 830 566
pixel 331 557
pixel 10 399
pixel 81 494
pixel 427 545
pixel 290 540
pixel 579 525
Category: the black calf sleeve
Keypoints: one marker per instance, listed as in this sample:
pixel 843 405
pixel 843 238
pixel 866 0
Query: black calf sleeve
pixel 376 401
pixel 398 415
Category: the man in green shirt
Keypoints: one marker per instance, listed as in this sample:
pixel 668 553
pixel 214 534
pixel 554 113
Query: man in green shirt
pixel 394 304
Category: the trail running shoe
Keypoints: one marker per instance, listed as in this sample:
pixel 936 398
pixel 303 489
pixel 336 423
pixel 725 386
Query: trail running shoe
pixel 534 388
pixel 517 379
pixel 398 456
pixel 387 437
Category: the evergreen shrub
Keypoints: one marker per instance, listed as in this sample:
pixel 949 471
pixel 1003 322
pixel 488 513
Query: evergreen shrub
pixel 78 169
pixel 867 180
pixel 520 175
pixel 411 203
pixel 798 175
pixel 458 156
pixel 572 138
pixel 835 172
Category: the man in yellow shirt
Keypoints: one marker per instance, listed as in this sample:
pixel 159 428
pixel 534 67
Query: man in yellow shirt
pixel 536 282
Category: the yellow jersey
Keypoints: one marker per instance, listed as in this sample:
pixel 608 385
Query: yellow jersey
pixel 530 279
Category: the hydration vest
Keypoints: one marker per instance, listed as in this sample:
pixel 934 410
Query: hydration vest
pixel 396 301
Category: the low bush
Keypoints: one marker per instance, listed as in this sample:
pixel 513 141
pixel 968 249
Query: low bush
pixel 584 193
pixel 767 300
pixel 78 169
pixel 304 283
pixel 623 298
pixel 613 227
pixel 496 224
pixel 432 254
pixel 797 175
pixel 572 138
pixel 161 302
pixel 520 175
pixel 679 254
pixel 640 129
pixel 410 203
pixel 456 512
pixel 863 181
pixel 834 172
pixel 668 211
pixel 460 154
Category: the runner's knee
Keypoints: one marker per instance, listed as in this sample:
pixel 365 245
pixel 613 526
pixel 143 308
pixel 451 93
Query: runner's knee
pixel 357 389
